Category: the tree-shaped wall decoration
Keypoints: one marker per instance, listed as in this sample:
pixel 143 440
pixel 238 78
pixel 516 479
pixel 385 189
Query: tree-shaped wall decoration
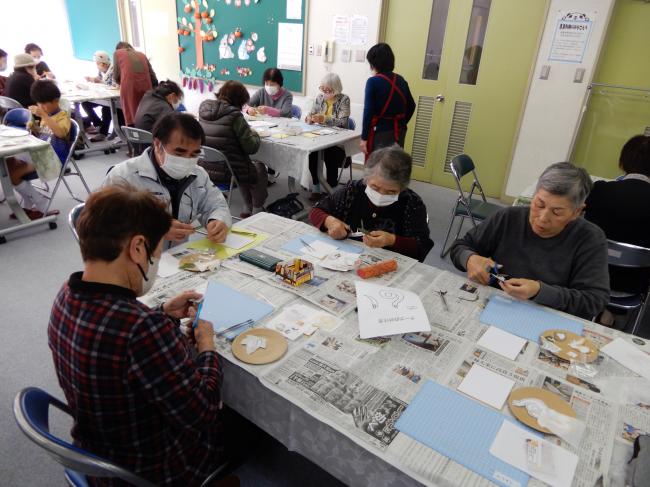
pixel 200 25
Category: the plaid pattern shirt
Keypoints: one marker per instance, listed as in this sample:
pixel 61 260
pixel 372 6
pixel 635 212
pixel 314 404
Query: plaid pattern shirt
pixel 137 396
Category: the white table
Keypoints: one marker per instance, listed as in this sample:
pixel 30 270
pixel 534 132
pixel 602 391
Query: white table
pixel 309 419
pixel 290 155
pixel 75 93
pixel 11 146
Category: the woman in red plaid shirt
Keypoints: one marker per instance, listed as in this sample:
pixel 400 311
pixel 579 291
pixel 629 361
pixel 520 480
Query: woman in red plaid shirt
pixel 140 395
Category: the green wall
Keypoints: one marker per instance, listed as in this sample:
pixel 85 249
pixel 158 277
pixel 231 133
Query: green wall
pixel 614 115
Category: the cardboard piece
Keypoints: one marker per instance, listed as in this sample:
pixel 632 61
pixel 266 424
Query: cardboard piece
pixel 276 347
pixel 551 400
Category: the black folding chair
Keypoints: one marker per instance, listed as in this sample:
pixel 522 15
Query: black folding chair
pixel 137 139
pixel 212 156
pixel 629 256
pixel 466 207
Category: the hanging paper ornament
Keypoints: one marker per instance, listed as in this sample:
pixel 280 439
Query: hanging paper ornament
pixel 231 39
pixel 228 2
pixel 208 74
pixel 225 52
pixel 244 72
pixel 242 53
pixel 205 4
pixel 254 36
pixel 193 72
pixel 225 72
pixel 184 81
pixel 187 9
pixel 201 85
pixel 261 55
pixel 237 3
pixel 250 47
pixel 194 84
pixel 247 2
pixel 210 86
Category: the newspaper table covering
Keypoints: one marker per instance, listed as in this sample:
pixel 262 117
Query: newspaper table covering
pixel 361 387
pixel 41 153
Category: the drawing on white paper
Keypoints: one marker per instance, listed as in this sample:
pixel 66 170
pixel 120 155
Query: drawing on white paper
pixel 373 301
pixel 391 295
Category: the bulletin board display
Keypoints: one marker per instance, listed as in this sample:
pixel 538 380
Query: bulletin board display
pixel 221 40
pixel 104 34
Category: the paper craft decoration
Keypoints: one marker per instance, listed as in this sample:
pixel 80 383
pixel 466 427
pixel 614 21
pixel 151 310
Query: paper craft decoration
pixel 253 343
pixel 261 55
pixel 388 311
pixel 486 386
pixel 224 307
pixel 501 342
pixel 296 321
pixel 318 249
pixel 550 399
pixel 569 346
pixel 524 319
pixel 461 429
pixel 242 52
pixel 225 52
pixel 629 356
pixel 276 347
pixel 294 246
pixel 518 447
pixel 340 261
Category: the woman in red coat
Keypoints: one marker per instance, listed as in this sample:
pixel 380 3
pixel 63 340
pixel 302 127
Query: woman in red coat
pixel 133 72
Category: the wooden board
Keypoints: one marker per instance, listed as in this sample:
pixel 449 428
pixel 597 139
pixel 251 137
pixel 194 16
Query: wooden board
pixel 566 349
pixel 276 347
pixel 551 400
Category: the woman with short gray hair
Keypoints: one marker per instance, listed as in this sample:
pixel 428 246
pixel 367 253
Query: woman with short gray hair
pixel 546 252
pixel 381 206
pixel 332 108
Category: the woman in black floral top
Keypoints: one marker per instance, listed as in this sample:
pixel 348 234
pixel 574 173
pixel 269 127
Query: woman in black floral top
pixel 392 216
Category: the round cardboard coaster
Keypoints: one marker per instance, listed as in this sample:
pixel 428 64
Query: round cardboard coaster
pixel 552 400
pixel 276 347
pixel 563 339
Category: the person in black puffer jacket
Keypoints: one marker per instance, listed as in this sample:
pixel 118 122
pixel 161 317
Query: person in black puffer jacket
pixel 227 130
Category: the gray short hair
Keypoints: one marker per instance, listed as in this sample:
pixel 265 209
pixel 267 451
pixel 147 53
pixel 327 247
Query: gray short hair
pixel 391 163
pixel 566 179
pixel 333 82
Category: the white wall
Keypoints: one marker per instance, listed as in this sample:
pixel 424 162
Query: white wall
pixel 160 40
pixel 44 22
pixel 553 106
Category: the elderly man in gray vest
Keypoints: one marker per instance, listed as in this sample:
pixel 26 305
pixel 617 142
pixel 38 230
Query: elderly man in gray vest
pixel 169 170
pixel 555 257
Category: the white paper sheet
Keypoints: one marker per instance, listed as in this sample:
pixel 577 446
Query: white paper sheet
pixel 388 311
pixel 502 342
pixel 341 29
pixel 290 46
pixel 168 265
pixel 558 465
pixel 486 386
pixel 237 241
pixel 629 356
pixel 318 249
pixel 294 9
pixel 359 30
pixel 296 321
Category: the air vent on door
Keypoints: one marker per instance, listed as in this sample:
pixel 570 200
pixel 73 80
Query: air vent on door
pixel 458 131
pixel 422 130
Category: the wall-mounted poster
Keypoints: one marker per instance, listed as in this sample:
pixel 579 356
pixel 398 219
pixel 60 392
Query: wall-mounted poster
pixel 572 32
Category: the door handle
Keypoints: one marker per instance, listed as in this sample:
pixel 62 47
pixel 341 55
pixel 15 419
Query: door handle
pixel 440 98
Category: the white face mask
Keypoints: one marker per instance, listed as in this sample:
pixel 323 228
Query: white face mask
pixel 178 167
pixel 175 105
pixel 271 89
pixel 378 199
pixel 150 276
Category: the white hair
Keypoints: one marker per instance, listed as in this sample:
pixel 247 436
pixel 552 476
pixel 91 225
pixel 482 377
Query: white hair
pixel 333 82
pixel 102 57
pixel 566 179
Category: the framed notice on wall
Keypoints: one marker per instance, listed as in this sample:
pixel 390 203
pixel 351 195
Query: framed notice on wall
pixel 571 37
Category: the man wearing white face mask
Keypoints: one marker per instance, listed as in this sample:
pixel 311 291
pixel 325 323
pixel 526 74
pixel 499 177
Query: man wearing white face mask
pixel 139 394
pixel 381 206
pixel 169 170
pixel 161 100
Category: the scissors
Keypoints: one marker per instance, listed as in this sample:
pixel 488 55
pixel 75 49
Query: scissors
pixel 496 276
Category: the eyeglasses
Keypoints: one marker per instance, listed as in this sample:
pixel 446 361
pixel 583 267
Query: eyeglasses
pixel 327 91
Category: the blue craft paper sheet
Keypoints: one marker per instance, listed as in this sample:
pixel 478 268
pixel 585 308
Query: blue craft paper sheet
pixel 225 307
pixel 460 429
pixel 524 319
pixel 294 246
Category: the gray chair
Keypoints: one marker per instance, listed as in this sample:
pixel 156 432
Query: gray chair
pixel 138 139
pixel 73 216
pixel 7 103
pixel 211 156
pixel 75 171
pixel 630 257
pixel 466 207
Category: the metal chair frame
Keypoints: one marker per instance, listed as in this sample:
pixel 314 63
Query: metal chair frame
pixel 629 256
pixel 136 138
pixel 210 154
pixel 69 160
pixel 462 165
pixel 73 216
pixel 351 126
pixel 9 103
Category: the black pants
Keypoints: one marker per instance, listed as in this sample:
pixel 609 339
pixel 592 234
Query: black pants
pixel 334 157
pixel 103 123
